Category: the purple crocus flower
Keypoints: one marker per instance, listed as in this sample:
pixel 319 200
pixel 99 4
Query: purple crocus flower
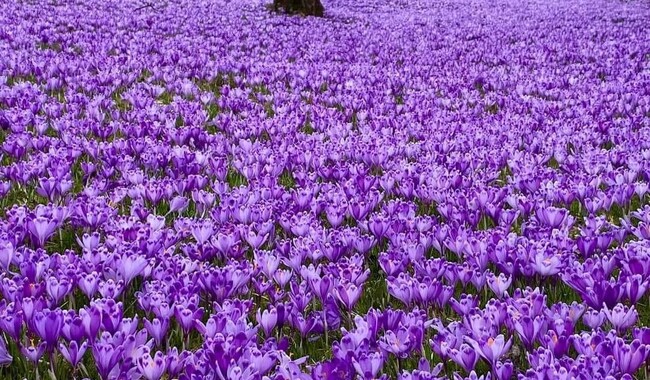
pixel 157 328
pixel 268 320
pixel 89 283
pixel 283 276
pixel 186 316
pixel 210 328
pixel 131 266
pixel 133 346
pixel 642 334
pixel 464 305
pixel 466 357
pixel 321 286
pixel 92 320
pixel 236 372
pixel 636 287
pixel 472 376
pixel 154 367
pixel 74 352
pixel 175 361
pixel 12 324
pixel 399 343
pixel 401 288
pixel 558 344
pixel 621 317
pixel 58 288
pixel 178 204
pixel 499 284
pixel 106 358
pixel 529 329
pixel 335 369
pixel 547 265
pixel 491 349
pixel 262 362
pixel 503 371
pixel 594 318
pixel 551 216
pixel 33 353
pixel 305 326
pixel 630 357
pixel 41 228
pixel 6 254
pixel 202 233
pixel 112 314
pixel 348 293
pixel 110 289
pixel 47 324
pixel 368 365
pixel 5 358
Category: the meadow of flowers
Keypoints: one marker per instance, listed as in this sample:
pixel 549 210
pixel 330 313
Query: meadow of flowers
pixel 426 189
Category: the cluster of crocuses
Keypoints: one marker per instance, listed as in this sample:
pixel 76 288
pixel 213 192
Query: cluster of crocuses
pixel 208 190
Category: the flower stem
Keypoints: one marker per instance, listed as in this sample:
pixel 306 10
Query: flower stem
pixel 52 356
pixel 327 340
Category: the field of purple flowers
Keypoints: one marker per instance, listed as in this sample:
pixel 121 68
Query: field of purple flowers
pixel 426 189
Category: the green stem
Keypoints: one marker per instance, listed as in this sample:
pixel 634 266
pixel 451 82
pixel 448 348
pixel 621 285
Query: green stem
pixel 327 340
pixel 52 367
pixel 71 301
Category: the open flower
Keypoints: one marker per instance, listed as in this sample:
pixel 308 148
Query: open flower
pixel 621 317
pixel 152 368
pixel 491 349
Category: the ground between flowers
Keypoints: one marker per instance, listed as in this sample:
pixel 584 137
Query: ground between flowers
pixel 402 189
